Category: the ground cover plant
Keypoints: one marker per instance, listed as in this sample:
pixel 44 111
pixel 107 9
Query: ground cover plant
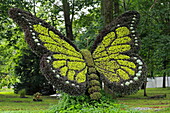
pixel 83 104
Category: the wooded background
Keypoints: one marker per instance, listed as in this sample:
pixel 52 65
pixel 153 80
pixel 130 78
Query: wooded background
pixel 81 21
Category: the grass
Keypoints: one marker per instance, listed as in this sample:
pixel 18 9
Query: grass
pixel 12 103
pixel 161 105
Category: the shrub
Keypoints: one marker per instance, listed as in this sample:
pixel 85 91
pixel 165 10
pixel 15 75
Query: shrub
pixel 22 93
pixel 32 80
pixel 83 104
pixel 37 97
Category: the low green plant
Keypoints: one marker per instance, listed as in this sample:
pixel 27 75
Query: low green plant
pixel 83 104
pixel 22 93
pixel 37 97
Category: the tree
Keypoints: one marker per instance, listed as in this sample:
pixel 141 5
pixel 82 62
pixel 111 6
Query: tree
pixel 14 70
pixel 31 79
pixel 155 38
pixel 107 11
pixel 9 47
pixel 116 6
pixel 107 16
pixel 68 21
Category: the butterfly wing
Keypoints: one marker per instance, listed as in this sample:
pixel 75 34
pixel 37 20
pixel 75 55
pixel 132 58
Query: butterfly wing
pixel 115 55
pixel 62 63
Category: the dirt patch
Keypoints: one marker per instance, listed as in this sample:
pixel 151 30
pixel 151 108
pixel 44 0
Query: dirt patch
pixel 11 96
pixel 143 108
pixel 1 100
pixel 131 98
pixel 159 107
pixel 142 99
pixel 21 101
pixel 156 108
pixel 158 104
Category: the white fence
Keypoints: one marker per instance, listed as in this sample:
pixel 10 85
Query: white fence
pixel 157 82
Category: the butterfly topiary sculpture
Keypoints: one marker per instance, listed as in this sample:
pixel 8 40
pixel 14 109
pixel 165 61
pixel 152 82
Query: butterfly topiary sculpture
pixel 112 59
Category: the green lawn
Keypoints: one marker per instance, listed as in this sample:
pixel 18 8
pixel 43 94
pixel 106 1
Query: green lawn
pixel 161 105
pixel 12 103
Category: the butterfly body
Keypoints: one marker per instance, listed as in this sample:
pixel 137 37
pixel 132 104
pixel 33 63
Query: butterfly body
pixel 94 85
pixel 112 59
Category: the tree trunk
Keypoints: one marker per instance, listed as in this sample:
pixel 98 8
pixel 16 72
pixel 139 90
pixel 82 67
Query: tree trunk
pixel 107 11
pixel 34 7
pixel 144 87
pixel 124 5
pixel 164 74
pixel 164 80
pixel 116 6
pixel 107 15
pixel 145 83
pixel 68 22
